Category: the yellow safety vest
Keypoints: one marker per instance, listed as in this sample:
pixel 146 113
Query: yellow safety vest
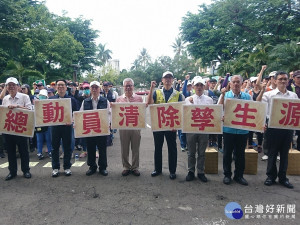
pixel 160 96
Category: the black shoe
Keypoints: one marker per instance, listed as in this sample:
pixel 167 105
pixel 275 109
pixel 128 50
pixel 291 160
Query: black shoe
pixel 286 183
pixel 241 180
pixel 90 172
pixel 155 173
pixel 27 175
pixel 172 176
pixel 190 176
pixel 202 177
pixel 125 173
pixel 269 181
pixel 10 176
pixel 227 180
pixel 103 172
pixel 2 155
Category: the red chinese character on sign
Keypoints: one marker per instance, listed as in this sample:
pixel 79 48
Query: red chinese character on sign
pixel 202 118
pixel 131 115
pixel 292 115
pixel 16 121
pixel 51 113
pixel 244 116
pixel 91 121
pixel 167 117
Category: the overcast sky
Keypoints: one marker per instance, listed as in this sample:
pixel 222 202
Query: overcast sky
pixel 127 26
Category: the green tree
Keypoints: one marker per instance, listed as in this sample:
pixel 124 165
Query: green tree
pixel 16 69
pixel 285 57
pixel 103 54
pixel 144 58
pixel 227 28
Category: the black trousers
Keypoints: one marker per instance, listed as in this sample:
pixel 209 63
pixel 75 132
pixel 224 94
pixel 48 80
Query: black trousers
pixel 63 133
pixel 279 142
pixel 100 142
pixel 11 142
pixel 236 142
pixel 172 150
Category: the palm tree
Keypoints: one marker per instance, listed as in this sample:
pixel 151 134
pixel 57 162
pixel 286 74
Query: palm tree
pixel 144 58
pixel 103 54
pixel 285 56
pixel 178 46
pixel 16 69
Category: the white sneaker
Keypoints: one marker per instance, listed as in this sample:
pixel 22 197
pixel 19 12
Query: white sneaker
pixel 55 173
pixel 183 149
pixel 264 158
pixel 68 172
pixel 278 158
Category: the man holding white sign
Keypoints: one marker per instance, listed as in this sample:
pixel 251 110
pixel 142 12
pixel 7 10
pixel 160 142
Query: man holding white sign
pixel 281 138
pixel 234 139
pixel 91 103
pixel 165 95
pixel 16 100
pixel 197 139
pixel 130 137
pixel 62 132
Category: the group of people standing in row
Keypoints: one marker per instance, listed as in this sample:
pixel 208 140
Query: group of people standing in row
pixel 198 91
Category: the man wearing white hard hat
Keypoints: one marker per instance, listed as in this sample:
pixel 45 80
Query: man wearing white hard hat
pixel 165 95
pixel 95 101
pixel 16 100
pixel 196 142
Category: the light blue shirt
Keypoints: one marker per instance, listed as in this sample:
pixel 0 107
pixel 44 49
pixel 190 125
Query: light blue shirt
pixel 243 96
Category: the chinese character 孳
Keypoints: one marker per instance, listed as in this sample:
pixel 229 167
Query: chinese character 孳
pixel 202 118
pixel 167 117
pixel 131 115
pixel 292 115
pixel 16 121
pixel 244 115
pixel 53 113
pixel 91 121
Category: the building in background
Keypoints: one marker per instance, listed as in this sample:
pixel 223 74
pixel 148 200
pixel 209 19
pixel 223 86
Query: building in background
pixel 114 64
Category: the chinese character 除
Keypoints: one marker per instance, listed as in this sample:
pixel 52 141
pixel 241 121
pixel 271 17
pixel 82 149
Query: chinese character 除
pixel 292 115
pixel 51 113
pixel 248 209
pixel 290 208
pixel 16 121
pixel 202 118
pixel 244 116
pixel 91 121
pixel 167 117
pixel 270 208
pixel 131 115
pixel 259 208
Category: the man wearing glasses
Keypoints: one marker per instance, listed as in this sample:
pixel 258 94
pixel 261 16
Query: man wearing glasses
pixel 130 137
pixel 62 132
pixel 281 138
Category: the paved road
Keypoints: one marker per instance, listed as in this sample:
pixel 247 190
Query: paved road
pixel 137 200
